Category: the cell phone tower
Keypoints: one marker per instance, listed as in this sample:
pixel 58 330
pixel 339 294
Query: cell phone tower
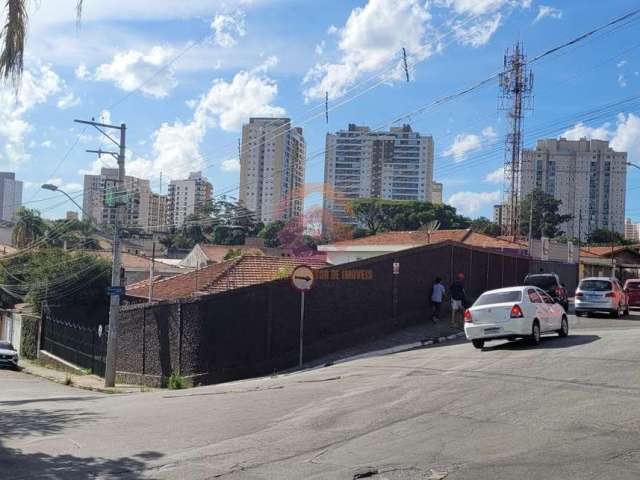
pixel 516 97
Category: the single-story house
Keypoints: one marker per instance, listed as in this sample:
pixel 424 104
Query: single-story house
pixel 623 261
pixel 361 248
pixel 219 277
pixel 137 267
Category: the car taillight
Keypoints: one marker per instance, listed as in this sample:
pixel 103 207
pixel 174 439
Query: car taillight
pixel 558 291
pixel 516 312
pixel 610 294
pixel 467 316
pixel 579 294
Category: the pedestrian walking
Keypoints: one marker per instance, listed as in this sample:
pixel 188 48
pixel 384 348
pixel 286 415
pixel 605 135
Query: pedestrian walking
pixel 458 298
pixel 437 295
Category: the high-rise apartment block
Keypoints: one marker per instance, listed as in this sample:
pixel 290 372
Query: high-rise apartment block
pixel 588 176
pixel 187 197
pixel 10 195
pixel 436 193
pixel 272 167
pixel 98 189
pixel 631 230
pixel 157 211
pixel 361 163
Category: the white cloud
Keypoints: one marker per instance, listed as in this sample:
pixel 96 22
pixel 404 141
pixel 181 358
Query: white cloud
pixel 230 165
pixel 82 72
pixel 227 104
pixel 47 144
pixel 477 33
pixel 133 69
pixel 625 137
pixel 621 63
pixel 622 81
pixel 470 203
pixel 68 187
pixel 249 93
pixel 466 143
pixel 37 87
pixel 481 7
pixel 67 101
pixel 227 28
pixel 332 29
pixel 320 48
pixel 580 130
pixel 545 11
pixel 372 37
pixel 497 176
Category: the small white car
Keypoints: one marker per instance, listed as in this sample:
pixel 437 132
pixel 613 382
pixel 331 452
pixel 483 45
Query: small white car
pixel 515 312
pixel 8 355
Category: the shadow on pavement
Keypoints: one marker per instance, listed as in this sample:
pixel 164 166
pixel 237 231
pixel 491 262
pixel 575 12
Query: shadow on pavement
pixel 546 343
pixel 10 403
pixel 16 424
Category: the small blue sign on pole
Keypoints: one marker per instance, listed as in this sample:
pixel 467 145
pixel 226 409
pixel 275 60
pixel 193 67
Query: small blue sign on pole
pixel 115 291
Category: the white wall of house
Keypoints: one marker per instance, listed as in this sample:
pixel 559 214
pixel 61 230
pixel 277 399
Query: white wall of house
pixel 337 255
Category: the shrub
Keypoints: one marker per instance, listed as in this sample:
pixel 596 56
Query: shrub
pixel 176 382
pixel 29 337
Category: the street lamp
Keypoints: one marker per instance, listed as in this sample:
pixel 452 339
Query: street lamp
pixel 54 188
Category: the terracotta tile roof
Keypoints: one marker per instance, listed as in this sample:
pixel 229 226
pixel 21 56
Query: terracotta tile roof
pixel 219 277
pixel 422 238
pixel 606 251
pixel 130 260
pixel 216 253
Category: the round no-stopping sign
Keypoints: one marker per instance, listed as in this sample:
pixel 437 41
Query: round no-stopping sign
pixel 302 278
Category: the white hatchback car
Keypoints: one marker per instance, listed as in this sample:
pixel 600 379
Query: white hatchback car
pixel 515 312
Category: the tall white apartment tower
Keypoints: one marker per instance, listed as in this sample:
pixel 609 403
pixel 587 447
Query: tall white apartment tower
pixel 588 176
pixel 136 195
pixel 272 167
pixel 10 195
pixel 359 163
pixel 187 197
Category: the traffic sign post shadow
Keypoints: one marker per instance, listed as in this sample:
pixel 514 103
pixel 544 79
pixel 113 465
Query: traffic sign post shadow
pixel 302 279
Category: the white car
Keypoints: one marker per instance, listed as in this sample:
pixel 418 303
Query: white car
pixel 8 355
pixel 515 312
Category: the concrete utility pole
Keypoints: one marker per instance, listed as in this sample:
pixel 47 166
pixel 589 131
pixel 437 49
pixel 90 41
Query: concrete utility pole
pixel 120 219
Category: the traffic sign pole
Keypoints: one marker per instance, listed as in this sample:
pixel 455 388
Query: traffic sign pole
pixel 301 325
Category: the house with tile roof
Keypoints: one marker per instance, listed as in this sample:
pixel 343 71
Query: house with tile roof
pixel 621 261
pixel 137 267
pixel 219 277
pixel 361 248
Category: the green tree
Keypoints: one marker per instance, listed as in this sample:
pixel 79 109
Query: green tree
pixel 378 215
pixel 54 275
pixel 606 236
pixel 545 215
pixel 486 226
pixel 270 233
pixel 29 227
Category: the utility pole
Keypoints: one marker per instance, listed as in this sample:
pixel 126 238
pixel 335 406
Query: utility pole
pixel 120 219
pixel 516 83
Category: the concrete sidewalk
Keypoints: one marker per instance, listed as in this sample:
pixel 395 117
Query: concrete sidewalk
pixel 78 380
pixel 415 336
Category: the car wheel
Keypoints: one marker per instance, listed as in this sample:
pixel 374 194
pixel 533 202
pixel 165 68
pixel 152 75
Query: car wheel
pixel 579 313
pixel 565 305
pixel 534 339
pixel 478 343
pixel 564 327
pixel 615 313
pixel 626 310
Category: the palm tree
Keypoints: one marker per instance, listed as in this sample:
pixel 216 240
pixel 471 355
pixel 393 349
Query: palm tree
pixel 13 38
pixel 29 227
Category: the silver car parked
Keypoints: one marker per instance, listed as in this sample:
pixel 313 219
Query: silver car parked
pixel 601 294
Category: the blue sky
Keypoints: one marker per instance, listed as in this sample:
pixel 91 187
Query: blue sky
pixel 231 60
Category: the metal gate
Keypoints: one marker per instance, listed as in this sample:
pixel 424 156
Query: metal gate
pixel 77 334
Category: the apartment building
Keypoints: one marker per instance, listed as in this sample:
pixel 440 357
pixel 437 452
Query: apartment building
pixel 10 195
pixel 272 169
pixel 436 193
pixel 157 211
pixel 588 176
pixel 631 230
pixel 187 197
pixel 100 189
pixel 361 163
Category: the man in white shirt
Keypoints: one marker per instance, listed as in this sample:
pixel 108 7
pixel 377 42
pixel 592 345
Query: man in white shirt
pixel 437 295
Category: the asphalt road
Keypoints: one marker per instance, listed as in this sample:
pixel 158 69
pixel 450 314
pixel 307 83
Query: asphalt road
pixel 568 409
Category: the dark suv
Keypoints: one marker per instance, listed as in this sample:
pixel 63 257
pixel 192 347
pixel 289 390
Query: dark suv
pixel 550 283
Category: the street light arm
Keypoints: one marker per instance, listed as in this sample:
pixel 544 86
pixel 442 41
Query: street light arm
pixel 633 165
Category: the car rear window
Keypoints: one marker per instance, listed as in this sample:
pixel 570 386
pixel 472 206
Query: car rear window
pixel 595 285
pixel 541 281
pixel 489 298
pixel 633 285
